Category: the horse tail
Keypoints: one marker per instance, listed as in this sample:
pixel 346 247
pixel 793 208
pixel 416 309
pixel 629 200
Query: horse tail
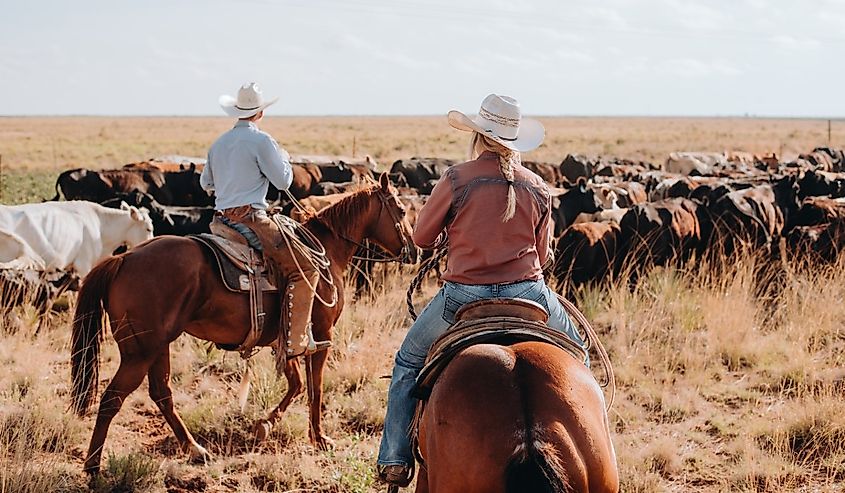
pixel 88 332
pixel 536 467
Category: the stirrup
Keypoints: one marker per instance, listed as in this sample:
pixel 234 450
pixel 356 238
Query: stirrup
pixel 395 475
pixel 315 346
pixel 312 347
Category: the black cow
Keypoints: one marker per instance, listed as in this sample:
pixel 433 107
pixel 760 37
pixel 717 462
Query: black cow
pixel 184 188
pixel 655 233
pixel 575 166
pixel 821 183
pixel 99 186
pixel 566 206
pixel 418 171
pixel 168 219
pixel 756 216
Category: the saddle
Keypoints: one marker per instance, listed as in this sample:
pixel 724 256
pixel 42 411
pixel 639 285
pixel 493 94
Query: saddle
pixel 236 261
pixel 242 270
pixel 502 321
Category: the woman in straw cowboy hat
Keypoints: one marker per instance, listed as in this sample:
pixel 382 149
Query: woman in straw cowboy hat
pixel 496 214
pixel 242 163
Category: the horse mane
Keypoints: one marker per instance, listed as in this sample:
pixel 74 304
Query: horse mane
pixel 340 216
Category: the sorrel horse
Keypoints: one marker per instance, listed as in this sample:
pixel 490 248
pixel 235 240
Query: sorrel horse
pixel 522 418
pixel 167 286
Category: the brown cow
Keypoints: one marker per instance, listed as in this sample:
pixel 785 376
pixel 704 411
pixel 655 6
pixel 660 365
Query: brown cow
pixel 584 253
pixel 547 171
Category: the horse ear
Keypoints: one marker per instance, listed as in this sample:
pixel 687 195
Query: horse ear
pixel 384 181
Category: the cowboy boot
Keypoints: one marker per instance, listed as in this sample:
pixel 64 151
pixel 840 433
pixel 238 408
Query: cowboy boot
pixel 297 315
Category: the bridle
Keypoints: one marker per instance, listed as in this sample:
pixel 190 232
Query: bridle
pixel 407 246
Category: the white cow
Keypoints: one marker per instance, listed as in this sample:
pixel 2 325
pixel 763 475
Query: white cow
pixel 684 163
pixel 16 254
pixel 74 235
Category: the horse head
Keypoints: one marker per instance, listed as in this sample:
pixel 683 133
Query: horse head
pixel 391 229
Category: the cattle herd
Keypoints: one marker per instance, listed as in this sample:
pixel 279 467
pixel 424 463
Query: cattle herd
pixel 611 217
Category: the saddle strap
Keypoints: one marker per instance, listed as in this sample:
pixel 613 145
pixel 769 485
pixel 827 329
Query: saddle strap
pixel 256 310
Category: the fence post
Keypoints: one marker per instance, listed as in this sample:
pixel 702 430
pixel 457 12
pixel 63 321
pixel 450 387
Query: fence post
pixel 354 144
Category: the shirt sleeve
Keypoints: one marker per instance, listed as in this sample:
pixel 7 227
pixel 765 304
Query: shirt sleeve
pixel 432 217
pixel 544 232
pixel 274 162
pixel 206 177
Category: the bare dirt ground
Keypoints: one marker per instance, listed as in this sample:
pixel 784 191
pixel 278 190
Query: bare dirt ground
pixel 718 389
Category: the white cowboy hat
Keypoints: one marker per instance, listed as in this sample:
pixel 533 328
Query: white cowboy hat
pixel 501 120
pixel 248 103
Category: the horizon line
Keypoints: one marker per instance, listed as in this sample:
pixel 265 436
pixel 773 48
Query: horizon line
pixel 432 115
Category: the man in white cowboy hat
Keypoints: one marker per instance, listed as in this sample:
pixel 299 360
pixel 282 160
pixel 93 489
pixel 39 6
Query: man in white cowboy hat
pixel 242 163
pixel 487 258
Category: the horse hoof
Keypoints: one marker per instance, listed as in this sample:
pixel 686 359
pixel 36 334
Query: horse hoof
pixel 262 430
pixel 324 443
pixel 199 455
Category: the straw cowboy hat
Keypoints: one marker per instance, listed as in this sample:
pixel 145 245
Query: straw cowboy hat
pixel 501 120
pixel 248 103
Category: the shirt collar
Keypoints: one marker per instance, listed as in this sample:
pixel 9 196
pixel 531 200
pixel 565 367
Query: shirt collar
pixel 244 123
pixel 487 155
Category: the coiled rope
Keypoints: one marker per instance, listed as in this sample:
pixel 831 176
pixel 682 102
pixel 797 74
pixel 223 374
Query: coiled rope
pixel 313 251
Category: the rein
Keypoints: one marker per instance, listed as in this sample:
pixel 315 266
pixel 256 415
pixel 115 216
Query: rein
pixel 404 255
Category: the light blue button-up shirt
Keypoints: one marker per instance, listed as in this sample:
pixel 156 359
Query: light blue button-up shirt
pixel 241 165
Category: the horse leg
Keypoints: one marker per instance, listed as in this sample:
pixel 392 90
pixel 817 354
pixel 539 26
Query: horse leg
pixel 129 376
pixel 162 395
pixel 262 427
pixel 315 431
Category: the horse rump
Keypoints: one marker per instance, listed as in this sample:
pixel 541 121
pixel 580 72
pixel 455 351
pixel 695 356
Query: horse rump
pixel 535 467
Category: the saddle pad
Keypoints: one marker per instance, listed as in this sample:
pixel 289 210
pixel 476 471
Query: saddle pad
pixel 232 261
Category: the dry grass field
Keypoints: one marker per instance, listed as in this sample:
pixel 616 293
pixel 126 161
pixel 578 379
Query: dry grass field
pixel 719 387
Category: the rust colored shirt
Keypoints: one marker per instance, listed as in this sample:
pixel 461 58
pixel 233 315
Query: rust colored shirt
pixel 468 203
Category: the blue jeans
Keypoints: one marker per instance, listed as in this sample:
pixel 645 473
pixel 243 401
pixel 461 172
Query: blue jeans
pixel 434 320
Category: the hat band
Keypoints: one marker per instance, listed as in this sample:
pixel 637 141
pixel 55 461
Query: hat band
pixel 247 109
pixel 499 136
pixel 501 120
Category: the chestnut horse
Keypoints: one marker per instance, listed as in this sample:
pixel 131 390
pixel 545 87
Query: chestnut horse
pixel 162 288
pixel 527 417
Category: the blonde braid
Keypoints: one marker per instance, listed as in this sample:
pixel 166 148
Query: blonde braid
pixel 507 160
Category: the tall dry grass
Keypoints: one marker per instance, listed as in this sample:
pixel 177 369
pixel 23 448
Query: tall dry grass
pixel 718 390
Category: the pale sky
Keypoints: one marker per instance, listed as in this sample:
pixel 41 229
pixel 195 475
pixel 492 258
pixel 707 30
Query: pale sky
pixel 394 57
